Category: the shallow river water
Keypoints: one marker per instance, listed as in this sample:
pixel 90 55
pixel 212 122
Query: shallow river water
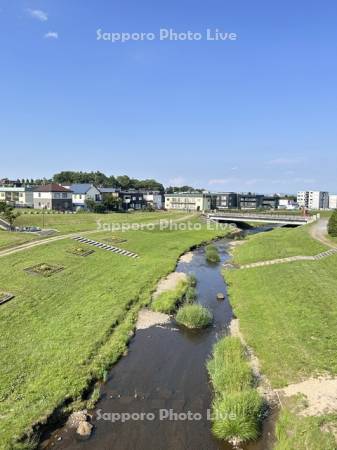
pixel 165 369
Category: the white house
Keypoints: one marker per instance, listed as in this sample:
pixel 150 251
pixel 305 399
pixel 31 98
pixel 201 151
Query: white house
pixel 189 201
pixel 286 203
pixel 82 192
pixel 53 196
pixel 17 196
pixel 154 198
pixel 313 199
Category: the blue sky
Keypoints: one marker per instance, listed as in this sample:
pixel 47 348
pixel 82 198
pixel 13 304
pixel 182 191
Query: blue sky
pixel 255 114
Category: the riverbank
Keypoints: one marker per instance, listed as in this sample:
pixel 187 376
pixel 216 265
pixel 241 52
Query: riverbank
pixel 74 324
pixel 288 317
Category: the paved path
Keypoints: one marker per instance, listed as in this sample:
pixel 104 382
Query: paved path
pixel 319 231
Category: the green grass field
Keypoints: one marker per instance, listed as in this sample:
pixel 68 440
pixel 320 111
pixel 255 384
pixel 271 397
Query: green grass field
pixel 278 243
pixel 10 239
pixel 61 332
pixel 71 223
pixel 288 315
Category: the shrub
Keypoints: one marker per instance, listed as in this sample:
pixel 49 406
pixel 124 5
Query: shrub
pixel 212 254
pixel 332 225
pixel 237 416
pixel 194 316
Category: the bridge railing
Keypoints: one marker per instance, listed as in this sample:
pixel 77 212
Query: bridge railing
pixel 247 216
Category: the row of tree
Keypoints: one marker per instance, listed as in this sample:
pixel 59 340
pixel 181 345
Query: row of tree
pixel 100 179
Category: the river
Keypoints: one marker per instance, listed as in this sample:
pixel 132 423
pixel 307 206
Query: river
pixel 165 373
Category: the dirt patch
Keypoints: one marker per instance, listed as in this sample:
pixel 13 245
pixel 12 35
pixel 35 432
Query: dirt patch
pixel 264 386
pixel 187 257
pixel 147 319
pixel 320 393
pixel 169 283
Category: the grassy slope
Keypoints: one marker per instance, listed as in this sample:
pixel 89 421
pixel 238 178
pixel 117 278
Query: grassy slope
pixel 67 223
pixel 288 314
pixel 58 331
pixel 11 239
pixel 279 243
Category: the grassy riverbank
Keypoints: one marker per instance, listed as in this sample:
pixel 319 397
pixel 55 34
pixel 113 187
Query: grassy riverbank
pixel 60 332
pixel 288 315
pixel 279 243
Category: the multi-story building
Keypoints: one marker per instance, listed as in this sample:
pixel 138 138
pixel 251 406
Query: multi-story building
pixel 82 192
pixel 332 201
pixel 189 201
pixel 313 199
pixel 17 196
pixel 53 196
pixel 226 200
pixel 250 201
pixel 270 202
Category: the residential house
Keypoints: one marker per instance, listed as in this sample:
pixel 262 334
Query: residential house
pixel 130 199
pixel 82 192
pixel 155 199
pixel 20 197
pixel 189 201
pixel 53 197
pixel 270 202
pixel 286 203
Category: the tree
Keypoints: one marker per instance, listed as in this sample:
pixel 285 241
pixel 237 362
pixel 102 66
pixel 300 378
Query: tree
pixel 90 204
pixel 3 206
pixel 10 215
pixel 332 225
pixel 112 203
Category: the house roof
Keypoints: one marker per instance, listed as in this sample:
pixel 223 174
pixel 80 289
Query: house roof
pixel 80 188
pixel 53 187
pixel 107 190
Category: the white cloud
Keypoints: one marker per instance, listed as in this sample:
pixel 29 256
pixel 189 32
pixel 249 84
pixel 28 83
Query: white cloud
pixel 38 14
pixel 285 161
pixel 222 181
pixel 51 35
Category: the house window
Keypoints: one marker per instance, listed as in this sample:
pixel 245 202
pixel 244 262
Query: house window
pixel 64 195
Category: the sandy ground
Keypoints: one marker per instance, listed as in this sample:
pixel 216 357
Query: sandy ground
pixel 169 283
pixel 264 386
pixel 187 258
pixel 147 319
pixel 320 393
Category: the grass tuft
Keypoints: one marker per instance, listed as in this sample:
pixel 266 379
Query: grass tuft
pixel 194 316
pixel 212 254
pixel 167 301
pixel 237 406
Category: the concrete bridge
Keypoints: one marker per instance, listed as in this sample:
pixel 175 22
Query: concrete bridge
pixel 261 218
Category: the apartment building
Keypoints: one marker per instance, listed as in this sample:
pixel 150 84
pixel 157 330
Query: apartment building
pixel 225 200
pixel 332 201
pixel 250 201
pixel 313 199
pixel 130 199
pixel 20 197
pixel 189 201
